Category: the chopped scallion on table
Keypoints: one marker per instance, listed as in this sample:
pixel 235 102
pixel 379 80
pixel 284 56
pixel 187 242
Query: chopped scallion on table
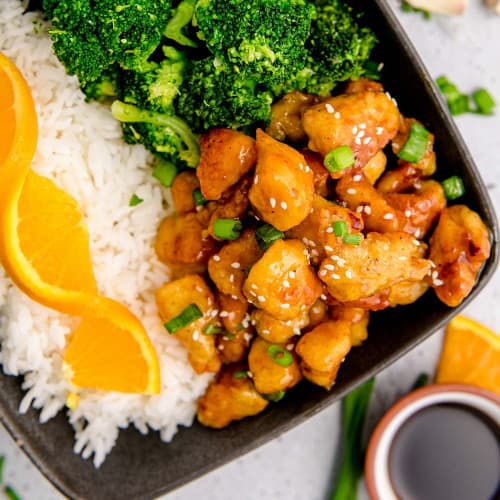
pixel 339 159
pixel 415 146
pixel 10 493
pixel 135 200
pixel 198 197
pixel 484 102
pixel 266 235
pixel 340 228
pixel 165 172
pixel 280 355
pixel 227 229
pixel 407 7
pixel 353 239
pixel 453 187
pixel 188 315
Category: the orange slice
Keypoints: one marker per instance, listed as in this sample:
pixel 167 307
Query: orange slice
pixel 470 355
pixel 44 248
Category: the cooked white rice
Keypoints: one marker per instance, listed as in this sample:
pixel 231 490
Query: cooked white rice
pixel 80 148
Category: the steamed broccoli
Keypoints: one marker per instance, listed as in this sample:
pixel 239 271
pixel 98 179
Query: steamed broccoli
pixel 164 134
pixel 181 18
pixel 264 38
pixel 104 88
pixel 338 48
pixel 91 35
pixel 216 96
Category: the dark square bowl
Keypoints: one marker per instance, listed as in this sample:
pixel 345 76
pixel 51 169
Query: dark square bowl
pixel 158 467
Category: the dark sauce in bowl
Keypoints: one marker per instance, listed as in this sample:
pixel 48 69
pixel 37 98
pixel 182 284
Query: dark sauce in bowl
pixel 444 452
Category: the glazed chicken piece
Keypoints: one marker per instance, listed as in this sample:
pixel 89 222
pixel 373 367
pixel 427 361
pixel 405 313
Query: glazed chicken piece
pixel 363 85
pixel 282 283
pixel 229 397
pixel 365 121
pixel 283 185
pixel 459 247
pixel 375 167
pixel 225 157
pixel 407 292
pixel 322 350
pixel 427 165
pixel 182 243
pixel 233 314
pixel 273 367
pixel 380 261
pixel 182 191
pixel 401 179
pixel 229 268
pixel 318 313
pixel 276 330
pixel 357 318
pixel 172 299
pixel 316 229
pixel 286 116
pixel 321 175
pixel 233 204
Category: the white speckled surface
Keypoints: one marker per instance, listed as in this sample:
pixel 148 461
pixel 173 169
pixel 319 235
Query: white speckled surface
pixel 302 463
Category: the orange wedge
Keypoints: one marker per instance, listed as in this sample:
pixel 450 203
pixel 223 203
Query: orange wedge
pixel 470 355
pixel 44 248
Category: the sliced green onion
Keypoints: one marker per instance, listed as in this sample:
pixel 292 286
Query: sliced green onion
pixel 407 7
pixel 453 187
pixel 198 197
pixel 240 374
pixel 188 315
pixel 165 172
pixel 212 330
pixel 227 229
pixel 460 105
pixel 228 336
pixel 353 239
pixel 275 396
pixel 280 355
pixel 421 381
pixel 135 200
pixel 266 235
pixel 448 89
pixel 372 70
pixel 416 144
pixel 340 228
pixel 339 159
pixel 11 493
pixel 484 102
pixel 2 461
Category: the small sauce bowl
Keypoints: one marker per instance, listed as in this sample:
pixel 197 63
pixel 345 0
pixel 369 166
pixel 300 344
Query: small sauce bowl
pixel 440 441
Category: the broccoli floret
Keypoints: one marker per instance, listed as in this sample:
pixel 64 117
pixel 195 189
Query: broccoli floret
pixel 338 48
pixel 91 35
pixel 264 38
pixel 48 6
pixel 181 18
pixel 164 134
pixel 217 96
pixel 104 88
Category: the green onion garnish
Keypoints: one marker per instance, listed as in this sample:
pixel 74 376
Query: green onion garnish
pixel 407 7
pixel 2 461
pixel 212 330
pixel 240 374
pixel 135 200
pixel 416 144
pixel 280 355
pixel 228 336
pixel 372 70
pixel 165 172
pixel 188 315
pixel 339 159
pixel 275 396
pixel 198 197
pixel 448 89
pixel 266 235
pixel 227 229
pixel 453 187
pixel 340 228
pixel 460 105
pixel 11 493
pixel 353 239
pixel 484 102
pixel 421 381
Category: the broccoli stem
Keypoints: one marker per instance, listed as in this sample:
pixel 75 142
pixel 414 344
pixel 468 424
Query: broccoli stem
pixel 132 114
pixel 354 408
pixel 181 18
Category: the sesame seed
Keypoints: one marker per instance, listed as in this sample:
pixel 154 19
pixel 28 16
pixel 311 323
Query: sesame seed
pixel 360 209
pixel 337 115
pixel 351 191
pixel 289 347
pixel 291 274
pixel 256 179
pixel 231 278
pixel 328 248
pixel 249 374
pixel 272 201
pixel 418 233
pixel 388 216
pixel 247 337
pixel 329 230
pixel 196 335
pixel 329 108
pixel 284 205
pixel 285 306
pixel 432 263
pixel 362 125
pixel 314 253
pixel 438 282
pixel 213 313
pixel 367 140
pixel 198 289
pixel 408 213
pixel 307 169
pixel 354 130
pixel 322 272
pixel 357 140
pixel 434 275
pixel 220 347
pixel 316 310
pixel 234 297
pixel 330 267
pixel 261 298
pixel 416 243
pixel 296 330
pixel 301 166
pixel 286 284
pixel 235 265
pixel 224 314
pixel 380 66
pixel 254 286
pixel 216 258
pixel 334 276
pixel 323 296
pixel 379 130
pixel 357 178
pixel 368 209
pixel 361 134
pixel 403 257
pixel 348 274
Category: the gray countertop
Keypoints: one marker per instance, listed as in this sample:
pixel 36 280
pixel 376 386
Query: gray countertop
pixel 302 463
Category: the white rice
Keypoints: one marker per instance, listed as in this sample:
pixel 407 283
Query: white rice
pixel 81 149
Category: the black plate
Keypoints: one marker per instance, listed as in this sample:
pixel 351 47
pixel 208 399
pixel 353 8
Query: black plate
pixel 143 466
